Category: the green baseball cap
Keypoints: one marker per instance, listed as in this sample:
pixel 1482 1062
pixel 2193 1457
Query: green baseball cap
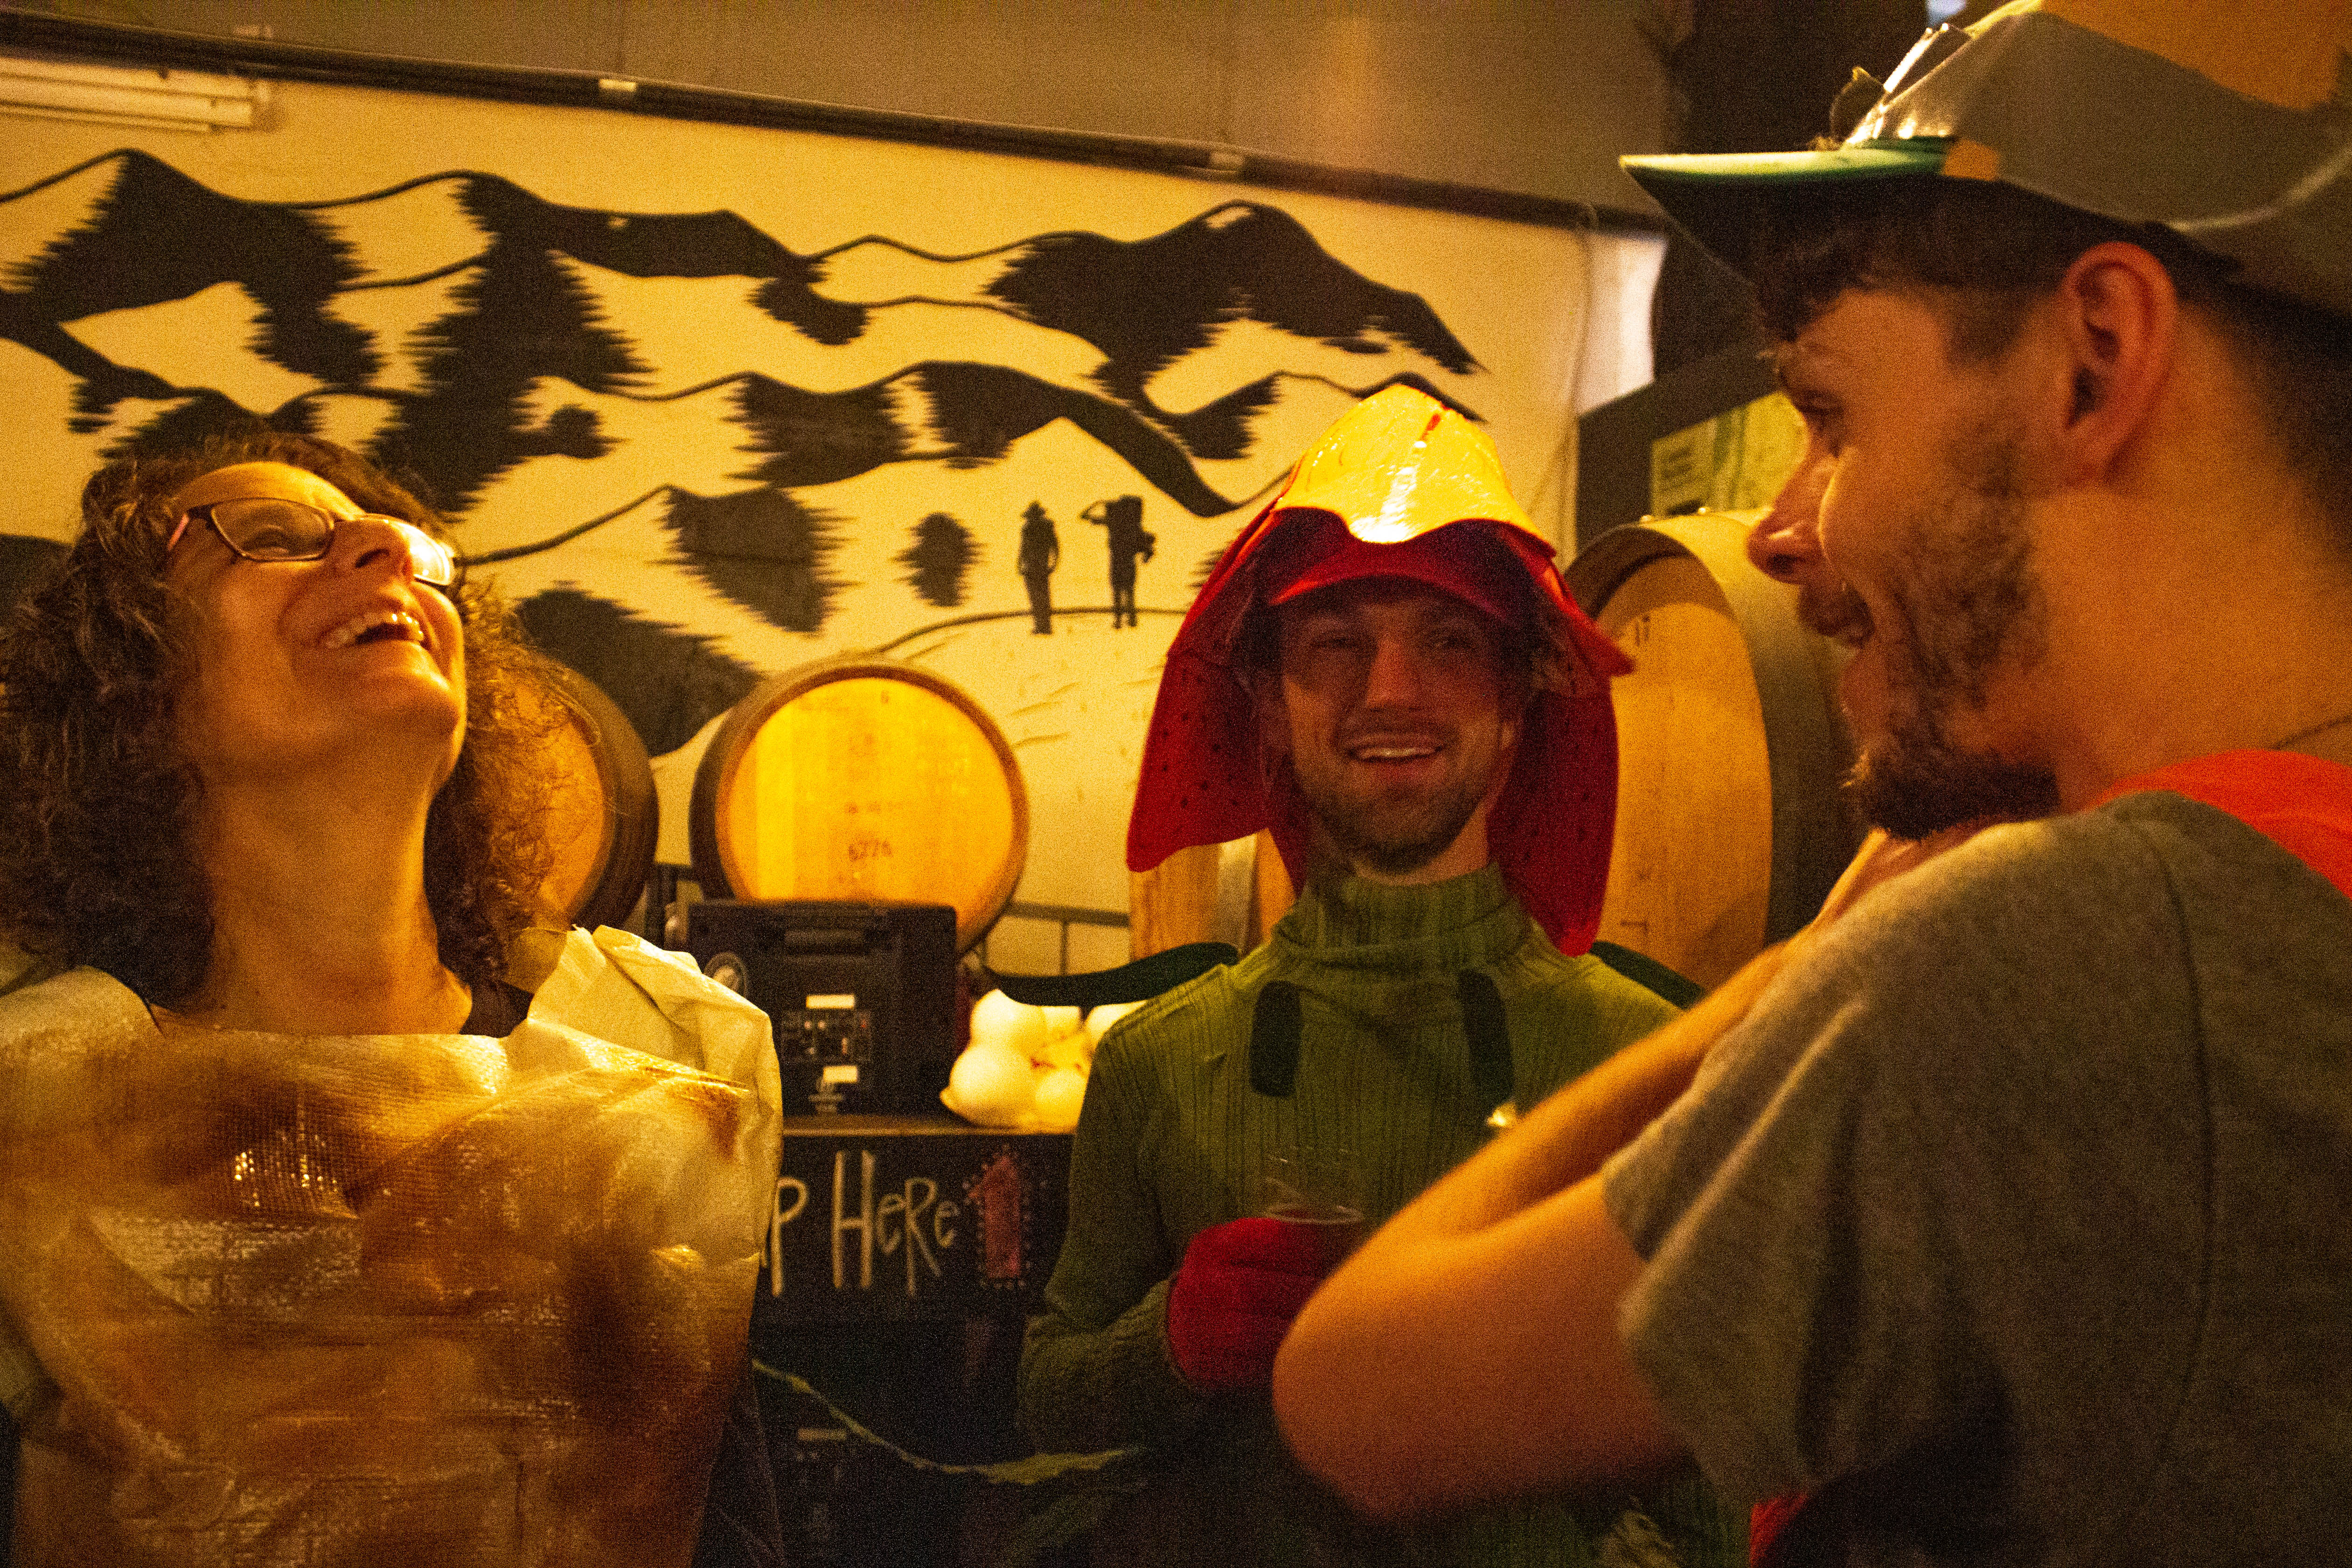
pixel 2229 124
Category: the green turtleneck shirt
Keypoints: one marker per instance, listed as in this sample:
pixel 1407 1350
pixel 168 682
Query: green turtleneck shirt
pixel 1174 1139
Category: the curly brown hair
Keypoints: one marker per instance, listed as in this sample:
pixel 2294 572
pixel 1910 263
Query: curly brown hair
pixel 98 863
pixel 1984 255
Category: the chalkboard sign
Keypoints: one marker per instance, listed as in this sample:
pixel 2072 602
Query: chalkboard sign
pixel 892 1219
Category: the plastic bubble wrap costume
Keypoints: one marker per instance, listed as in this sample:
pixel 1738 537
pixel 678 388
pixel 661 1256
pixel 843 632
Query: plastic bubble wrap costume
pixel 414 1300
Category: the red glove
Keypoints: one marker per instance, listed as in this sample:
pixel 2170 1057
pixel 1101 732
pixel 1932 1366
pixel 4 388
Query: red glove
pixel 1234 1296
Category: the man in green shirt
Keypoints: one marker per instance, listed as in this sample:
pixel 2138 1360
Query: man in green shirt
pixel 1385 671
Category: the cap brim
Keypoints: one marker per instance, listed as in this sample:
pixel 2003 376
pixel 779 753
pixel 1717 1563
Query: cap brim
pixel 1719 198
pixel 1860 161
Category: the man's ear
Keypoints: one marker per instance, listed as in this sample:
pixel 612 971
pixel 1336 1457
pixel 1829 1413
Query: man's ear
pixel 2117 316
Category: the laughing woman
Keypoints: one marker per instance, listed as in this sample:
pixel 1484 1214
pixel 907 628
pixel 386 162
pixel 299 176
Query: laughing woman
pixel 350 1210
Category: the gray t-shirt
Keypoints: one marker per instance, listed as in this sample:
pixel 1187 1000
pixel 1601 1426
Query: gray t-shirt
pixel 2016 1226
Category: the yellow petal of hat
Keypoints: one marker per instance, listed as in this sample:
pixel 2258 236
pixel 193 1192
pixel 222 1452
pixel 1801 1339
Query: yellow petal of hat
pixel 1399 464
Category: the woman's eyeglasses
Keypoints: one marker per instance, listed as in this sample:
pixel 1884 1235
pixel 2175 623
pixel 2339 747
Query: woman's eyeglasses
pixel 267 528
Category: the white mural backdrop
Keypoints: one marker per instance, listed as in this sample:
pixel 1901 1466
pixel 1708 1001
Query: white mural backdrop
pixel 712 402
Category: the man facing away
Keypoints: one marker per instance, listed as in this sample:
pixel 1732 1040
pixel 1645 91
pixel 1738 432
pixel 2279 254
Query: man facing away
pixel 1385 671
pixel 2005 1222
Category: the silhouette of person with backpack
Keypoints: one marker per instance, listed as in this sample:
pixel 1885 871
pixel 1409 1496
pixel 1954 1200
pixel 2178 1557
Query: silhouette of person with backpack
pixel 1122 516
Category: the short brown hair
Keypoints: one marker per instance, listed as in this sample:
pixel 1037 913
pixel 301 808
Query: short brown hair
pixel 98 864
pixel 1984 254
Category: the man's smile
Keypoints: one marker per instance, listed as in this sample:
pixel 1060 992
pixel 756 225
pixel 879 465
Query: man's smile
pixel 1838 615
pixel 1391 750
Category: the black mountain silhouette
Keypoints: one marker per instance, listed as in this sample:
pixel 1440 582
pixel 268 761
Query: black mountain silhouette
pixel 515 315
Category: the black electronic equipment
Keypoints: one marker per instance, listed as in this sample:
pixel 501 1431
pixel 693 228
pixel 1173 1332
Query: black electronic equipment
pixel 862 996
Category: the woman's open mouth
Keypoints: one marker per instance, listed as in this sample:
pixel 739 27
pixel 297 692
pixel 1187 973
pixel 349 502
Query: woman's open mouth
pixel 374 627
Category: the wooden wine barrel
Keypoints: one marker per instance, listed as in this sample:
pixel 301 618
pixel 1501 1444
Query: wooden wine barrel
pixel 861 780
pixel 1210 892
pixel 604 816
pixel 1730 825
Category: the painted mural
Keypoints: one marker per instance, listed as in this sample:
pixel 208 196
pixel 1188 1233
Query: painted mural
pixel 712 403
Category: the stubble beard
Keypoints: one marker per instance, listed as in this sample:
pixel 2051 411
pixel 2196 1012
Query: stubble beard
pixel 1969 606
pixel 1915 782
pixel 1392 835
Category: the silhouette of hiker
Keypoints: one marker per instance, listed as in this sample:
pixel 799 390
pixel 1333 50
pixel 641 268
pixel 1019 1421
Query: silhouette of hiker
pixel 1123 516
pixel 1041 552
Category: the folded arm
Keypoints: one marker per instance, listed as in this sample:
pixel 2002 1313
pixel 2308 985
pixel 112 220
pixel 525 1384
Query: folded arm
pixel 1489 1305
pixel 1469 1350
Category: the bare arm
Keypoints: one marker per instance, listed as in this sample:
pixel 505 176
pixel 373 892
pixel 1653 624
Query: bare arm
pixel 1469 1350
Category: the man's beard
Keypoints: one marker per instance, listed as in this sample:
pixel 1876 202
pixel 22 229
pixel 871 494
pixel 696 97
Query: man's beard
pixel 1916 784
pixel 1968 602
pixel 1391 836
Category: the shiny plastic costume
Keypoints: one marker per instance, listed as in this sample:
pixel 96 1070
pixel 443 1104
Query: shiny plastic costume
pixel 413 1300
